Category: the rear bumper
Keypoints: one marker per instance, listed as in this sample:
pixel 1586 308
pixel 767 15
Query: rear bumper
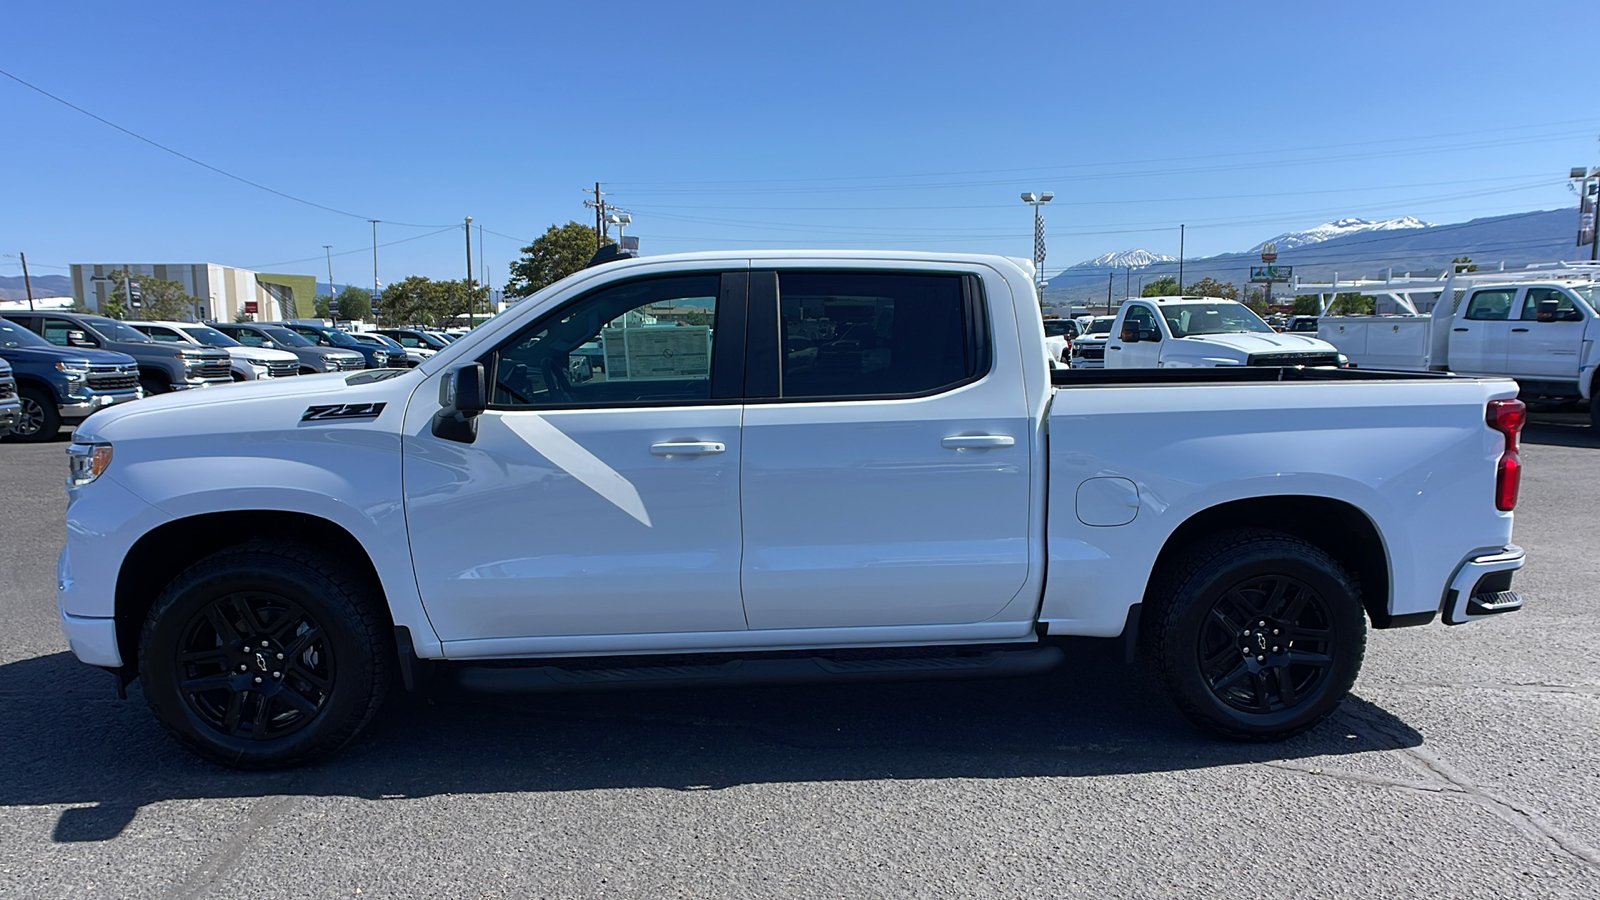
pixel 1482 586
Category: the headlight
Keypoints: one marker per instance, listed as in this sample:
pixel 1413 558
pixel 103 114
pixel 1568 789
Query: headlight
pixel 86 462
pixel 74 371
pixel 330 360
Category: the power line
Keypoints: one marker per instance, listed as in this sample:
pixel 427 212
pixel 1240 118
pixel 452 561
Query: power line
pixel 415 237
pixel 205 165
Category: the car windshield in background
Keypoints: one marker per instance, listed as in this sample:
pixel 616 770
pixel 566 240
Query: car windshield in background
pixel 1186 319
pixel 1056 328
pixel 340 339
pixel 209 336
pixel 112 330
pixel 1100 326
pixel 1590 293
pixel 286 337
pixel 14 336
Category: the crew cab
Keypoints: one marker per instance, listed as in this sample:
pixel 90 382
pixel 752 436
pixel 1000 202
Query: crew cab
pixel 1183 332
pixel 162 367
pixel 249 363
pixel 797 466
pixel 57 386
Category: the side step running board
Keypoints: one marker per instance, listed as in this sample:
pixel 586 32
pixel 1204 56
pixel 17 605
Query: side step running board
pixel 739 672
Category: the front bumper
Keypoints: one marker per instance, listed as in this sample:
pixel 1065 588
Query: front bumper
pixel 93 641
pixel 1482 586
pixel 79 406
pixel 10 412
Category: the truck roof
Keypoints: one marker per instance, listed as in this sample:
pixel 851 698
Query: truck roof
pixel 1188 299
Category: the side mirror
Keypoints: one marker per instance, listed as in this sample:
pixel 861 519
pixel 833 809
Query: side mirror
pixel 462 396
pixel 1130 335
pixel 79 339
pixel 1547 310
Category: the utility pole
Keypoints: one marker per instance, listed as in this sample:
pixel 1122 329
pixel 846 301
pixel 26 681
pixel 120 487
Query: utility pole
pixel 600 207
pixel 1111 278
pixel 26 283
pixel 471 301
pixel 328 249
pixel 1180 259
pixel 375 268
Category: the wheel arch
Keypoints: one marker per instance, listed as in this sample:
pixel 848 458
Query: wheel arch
pixel 165 551
pixel 1339 528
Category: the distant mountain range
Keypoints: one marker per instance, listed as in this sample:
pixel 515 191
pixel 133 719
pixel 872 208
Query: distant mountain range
pixel 12 288
pixel 1346 248
pixel 1125 259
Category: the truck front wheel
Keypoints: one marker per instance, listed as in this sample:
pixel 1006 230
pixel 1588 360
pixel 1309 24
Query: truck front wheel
pixel 39 421
pixel 265 655
pixel 1257 635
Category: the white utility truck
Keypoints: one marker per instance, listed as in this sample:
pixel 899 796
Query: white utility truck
pixel 808 466
pixel 1188 332
pixel 1538 325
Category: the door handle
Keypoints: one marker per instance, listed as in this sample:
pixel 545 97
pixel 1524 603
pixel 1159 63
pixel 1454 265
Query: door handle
pixel 1460 329
pixel 1115 347
pixel 688 448
pixel 976 441
pixel 1519 331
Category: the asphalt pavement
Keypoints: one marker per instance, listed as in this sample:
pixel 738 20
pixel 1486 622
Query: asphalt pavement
pixel 1467 764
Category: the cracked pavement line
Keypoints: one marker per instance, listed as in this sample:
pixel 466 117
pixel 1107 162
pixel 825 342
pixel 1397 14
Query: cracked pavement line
pixel 264 813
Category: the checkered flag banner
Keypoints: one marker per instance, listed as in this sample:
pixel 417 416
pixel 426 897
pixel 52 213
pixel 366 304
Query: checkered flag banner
pixel 1038 242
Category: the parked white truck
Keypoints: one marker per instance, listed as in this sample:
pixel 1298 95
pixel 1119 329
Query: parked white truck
pixel 1539 326
pixel 1187 332
pixel 811 466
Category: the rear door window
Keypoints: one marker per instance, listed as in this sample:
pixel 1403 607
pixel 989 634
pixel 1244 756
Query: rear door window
pixel 1492 306
pixel 868 334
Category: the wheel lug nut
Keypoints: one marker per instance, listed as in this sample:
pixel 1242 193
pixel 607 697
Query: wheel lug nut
pixel 277 674
pixel 1262 623
pixel 1274 631
pixel 258 679
pixel 1276 649
pixel 243 667
pixel 1258 659
pixel 280 656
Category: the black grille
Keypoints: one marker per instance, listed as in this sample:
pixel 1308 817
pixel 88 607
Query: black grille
pixel 1294 359
pixel 106 379
pixel 8 389
pixel 344 364
pixel 1091 352
pixel 283 369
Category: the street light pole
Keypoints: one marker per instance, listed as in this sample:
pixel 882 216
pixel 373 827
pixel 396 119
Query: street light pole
pixel 374 266
pixel 1180 258
pixel 328 248
pixel 1036 201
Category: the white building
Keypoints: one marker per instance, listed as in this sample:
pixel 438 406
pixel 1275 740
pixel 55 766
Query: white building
pixel 223 291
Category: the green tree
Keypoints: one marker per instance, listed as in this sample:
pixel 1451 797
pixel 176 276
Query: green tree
pixel 355 303
pixel 1165 286
pixel 1464 264
pixel 422 301
pixel 162 299
pixel 557 253
pixel 320 310
pixel 1353 305
pixel 1210 287
pixel 1305 305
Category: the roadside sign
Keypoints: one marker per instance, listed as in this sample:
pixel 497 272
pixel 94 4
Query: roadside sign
pixel 1269 274
pixel 250 307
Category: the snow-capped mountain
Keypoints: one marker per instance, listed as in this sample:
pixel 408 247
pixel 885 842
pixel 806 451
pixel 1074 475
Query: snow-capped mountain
pixel 1339 228
pixel 1126 259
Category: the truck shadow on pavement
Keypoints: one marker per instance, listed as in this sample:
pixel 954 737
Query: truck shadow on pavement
pixel 68 740
pixel 1560 431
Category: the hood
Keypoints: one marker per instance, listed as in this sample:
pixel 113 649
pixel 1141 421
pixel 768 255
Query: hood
pixel 1247 342
pixel 168 350
pixel 261 353
pixel 53 355
pixel 250 406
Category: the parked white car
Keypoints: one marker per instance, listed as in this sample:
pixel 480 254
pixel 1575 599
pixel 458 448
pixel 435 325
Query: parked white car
pixel 1187 332
pixel 1089 350
pixel 249 363
pixel 801 452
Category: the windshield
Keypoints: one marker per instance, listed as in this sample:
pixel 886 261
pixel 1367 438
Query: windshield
pixel 340 339
pixel 1056 328
pixel 1590 293
pixel 14 336
pixel 209 336
pixel 286 337
pixel 432 340
pixel 1101 326
pixel 1226 317
pixel 112 330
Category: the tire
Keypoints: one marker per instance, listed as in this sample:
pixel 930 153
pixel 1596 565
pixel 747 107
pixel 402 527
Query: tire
pixel 323 674
pixel 1210 608
pixel 40 420
pixel 1594 408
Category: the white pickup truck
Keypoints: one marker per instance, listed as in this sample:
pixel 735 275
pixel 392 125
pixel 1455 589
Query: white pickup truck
pixel 1536 327
pixel 799 466
pixel 1187 332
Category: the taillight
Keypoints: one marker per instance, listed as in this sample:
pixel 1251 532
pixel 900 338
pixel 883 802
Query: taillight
pixel 1507 417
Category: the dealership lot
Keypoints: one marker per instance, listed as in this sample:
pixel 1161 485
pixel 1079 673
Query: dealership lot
pixel 1464 765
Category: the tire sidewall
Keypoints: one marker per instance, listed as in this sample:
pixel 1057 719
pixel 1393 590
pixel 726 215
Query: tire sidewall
pixel 353 660
pixel 49 428
pixel 1195 600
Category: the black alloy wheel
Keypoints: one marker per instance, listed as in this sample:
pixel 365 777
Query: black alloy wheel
pixel 255 666
pixel 1255 634
pixel 267 654
pixel 38 421
pixel 1266 645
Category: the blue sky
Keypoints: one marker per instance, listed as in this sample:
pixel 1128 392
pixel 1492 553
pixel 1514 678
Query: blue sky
pixel 752 125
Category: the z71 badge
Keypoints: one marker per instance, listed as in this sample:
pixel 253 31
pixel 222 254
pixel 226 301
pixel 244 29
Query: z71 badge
pixel 342 412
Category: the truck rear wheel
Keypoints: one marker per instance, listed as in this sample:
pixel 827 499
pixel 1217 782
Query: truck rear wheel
pixel 39 419
pixel 266 655
pixel 1257 635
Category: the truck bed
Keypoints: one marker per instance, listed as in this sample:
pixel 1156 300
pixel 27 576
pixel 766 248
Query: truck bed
pixel 1063 378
